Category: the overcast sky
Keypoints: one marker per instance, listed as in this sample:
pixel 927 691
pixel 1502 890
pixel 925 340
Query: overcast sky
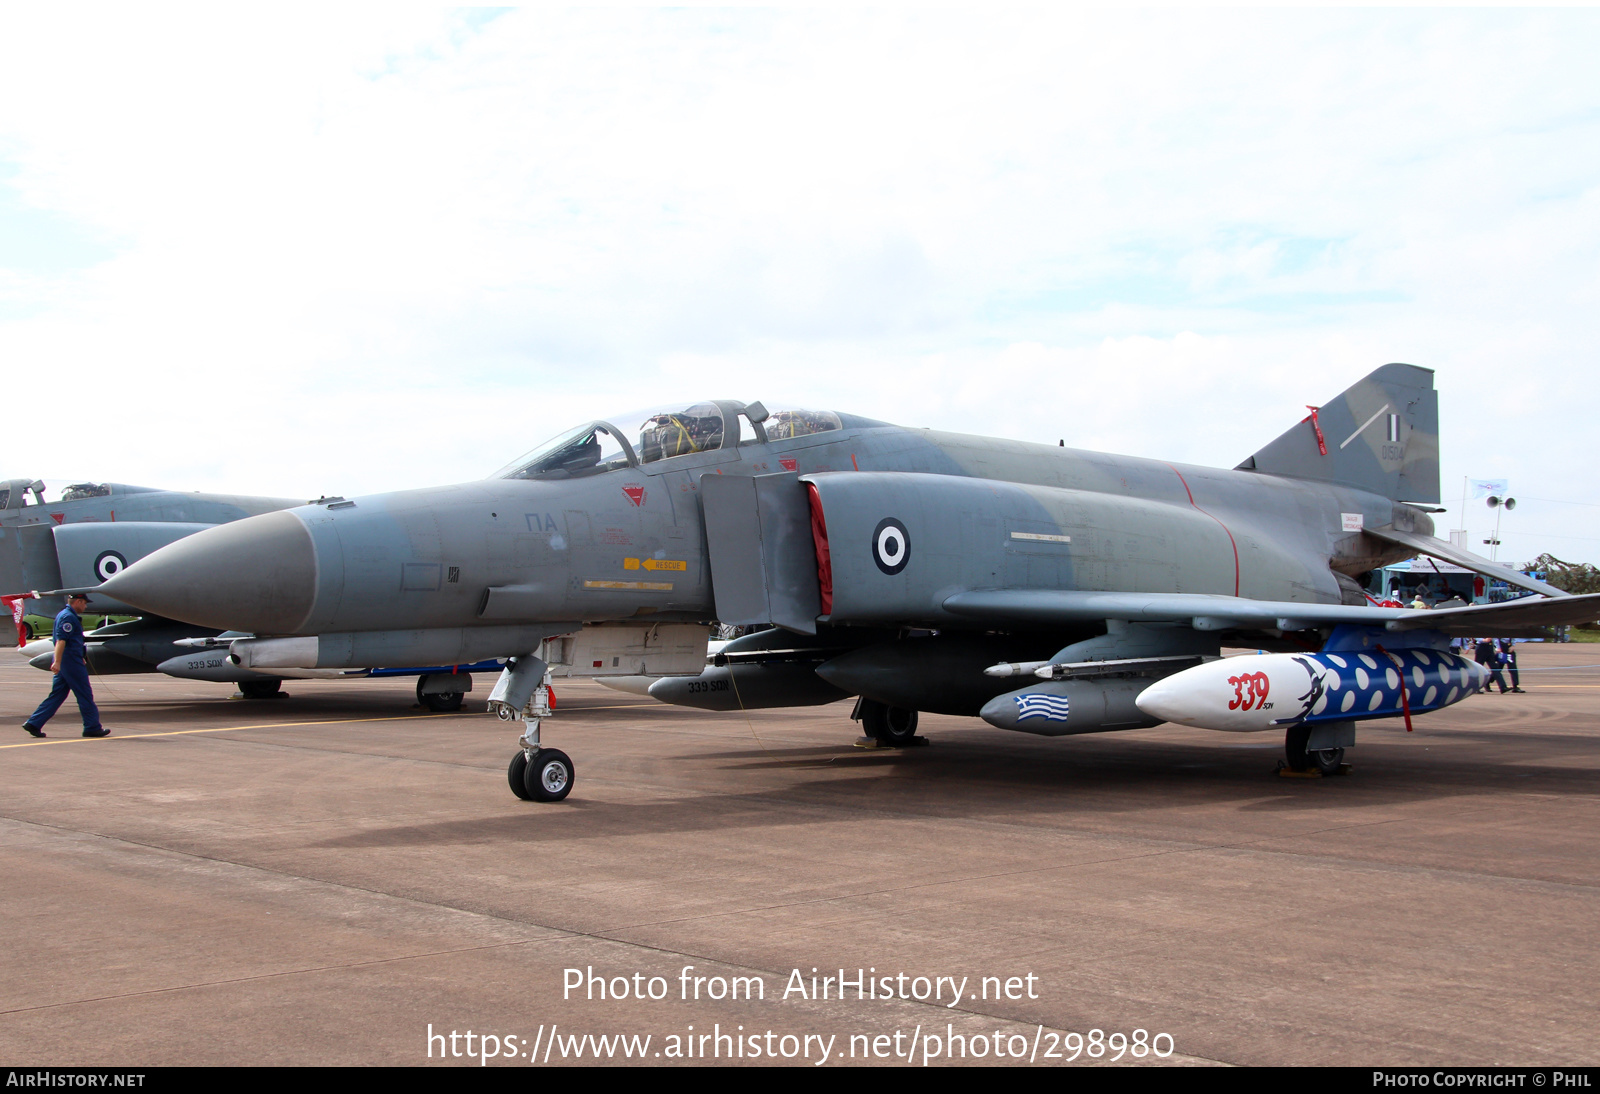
pixel 348 250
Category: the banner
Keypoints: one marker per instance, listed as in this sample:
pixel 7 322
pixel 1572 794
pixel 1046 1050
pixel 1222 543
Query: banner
pixel 15 603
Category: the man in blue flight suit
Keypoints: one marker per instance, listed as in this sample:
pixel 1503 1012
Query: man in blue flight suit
pixel 71 669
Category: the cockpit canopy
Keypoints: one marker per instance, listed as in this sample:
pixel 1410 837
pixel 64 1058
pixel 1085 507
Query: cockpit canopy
pixel 667 433
pixel 14 493
pixel 646 436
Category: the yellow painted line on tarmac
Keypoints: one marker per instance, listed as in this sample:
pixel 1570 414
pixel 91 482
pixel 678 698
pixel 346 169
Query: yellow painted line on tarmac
pixel 115 736
pixel 226 729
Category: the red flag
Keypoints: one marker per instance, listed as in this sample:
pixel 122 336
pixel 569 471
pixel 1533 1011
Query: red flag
pixel 15 604
pixel 1322 445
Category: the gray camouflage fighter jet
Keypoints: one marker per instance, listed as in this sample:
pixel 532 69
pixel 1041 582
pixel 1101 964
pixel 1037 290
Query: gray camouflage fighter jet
pixel 95 530
pixel 1045 589
pixel 92 532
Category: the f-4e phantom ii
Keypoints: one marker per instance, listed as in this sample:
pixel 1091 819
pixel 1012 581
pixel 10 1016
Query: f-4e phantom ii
pixel 95 530
pixel 1045 589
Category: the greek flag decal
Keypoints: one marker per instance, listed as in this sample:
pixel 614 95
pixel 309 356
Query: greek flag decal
pixel 1052 708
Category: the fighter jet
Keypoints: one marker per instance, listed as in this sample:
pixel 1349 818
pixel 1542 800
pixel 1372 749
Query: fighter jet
pixel 1045 589
pixel 95 530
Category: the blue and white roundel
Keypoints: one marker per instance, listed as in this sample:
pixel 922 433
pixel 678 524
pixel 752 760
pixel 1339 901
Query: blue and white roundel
pixel 891 546
pixel 109 564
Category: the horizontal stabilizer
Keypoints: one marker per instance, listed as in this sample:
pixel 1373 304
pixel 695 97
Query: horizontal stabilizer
pixel 1210 612
pixel 1460 556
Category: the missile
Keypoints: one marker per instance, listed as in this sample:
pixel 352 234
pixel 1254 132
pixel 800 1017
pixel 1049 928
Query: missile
pixel 362 649
pixel 1015 668
pixel 224 639
pixel 1284 689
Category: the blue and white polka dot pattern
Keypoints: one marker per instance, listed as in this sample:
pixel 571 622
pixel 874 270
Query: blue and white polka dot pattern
pixel 1367 685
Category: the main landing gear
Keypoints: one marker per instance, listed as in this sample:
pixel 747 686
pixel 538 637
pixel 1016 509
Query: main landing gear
pixel 887 726
pixel 1304 761
pixel 260 689
pixel 536 773
pixel 440 702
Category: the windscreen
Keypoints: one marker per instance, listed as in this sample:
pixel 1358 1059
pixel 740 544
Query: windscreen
pixel 587 450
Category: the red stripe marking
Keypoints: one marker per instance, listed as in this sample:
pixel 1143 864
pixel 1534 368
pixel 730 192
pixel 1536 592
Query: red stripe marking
pixel 853 461
pixel 1224 527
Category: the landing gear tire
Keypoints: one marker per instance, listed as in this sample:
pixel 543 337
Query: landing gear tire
pixel 548 778
pixel 1324 761
pixel 440 702
pixel 517 775
pixel 259 689
pixel 892 726
pixel 1327 760
pixel 1294 748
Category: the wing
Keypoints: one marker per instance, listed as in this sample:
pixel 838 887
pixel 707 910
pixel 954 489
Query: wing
pixel 1218 613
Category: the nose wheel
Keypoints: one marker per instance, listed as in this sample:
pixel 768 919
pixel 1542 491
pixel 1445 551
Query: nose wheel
pixel 536 773
pixel 545 775
pixel 539 774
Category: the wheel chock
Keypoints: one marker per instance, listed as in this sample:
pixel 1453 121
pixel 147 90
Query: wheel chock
pixel 1287 772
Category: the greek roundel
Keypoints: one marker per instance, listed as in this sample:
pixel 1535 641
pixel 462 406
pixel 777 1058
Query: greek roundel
pixel 891 546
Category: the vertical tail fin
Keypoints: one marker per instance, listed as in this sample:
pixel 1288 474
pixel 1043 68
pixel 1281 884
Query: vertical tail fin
pixel 1381 434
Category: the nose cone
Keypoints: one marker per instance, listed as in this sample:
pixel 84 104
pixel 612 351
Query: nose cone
pixel 257 575
pixel 1171 699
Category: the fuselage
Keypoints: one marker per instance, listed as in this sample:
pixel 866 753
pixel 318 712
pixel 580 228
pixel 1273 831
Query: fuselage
pixel 629 542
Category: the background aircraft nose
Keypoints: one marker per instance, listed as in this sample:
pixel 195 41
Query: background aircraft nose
pixel 257 574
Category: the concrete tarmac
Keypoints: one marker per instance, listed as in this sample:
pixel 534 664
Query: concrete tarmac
pixel 323 879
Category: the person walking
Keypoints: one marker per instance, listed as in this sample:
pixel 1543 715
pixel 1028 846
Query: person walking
pixel 71 670
pixel 1508 658
pixel 1489 657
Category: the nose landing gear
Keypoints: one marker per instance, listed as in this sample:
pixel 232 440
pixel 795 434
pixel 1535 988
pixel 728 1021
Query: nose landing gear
pixel 540 774
pixel 536 773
